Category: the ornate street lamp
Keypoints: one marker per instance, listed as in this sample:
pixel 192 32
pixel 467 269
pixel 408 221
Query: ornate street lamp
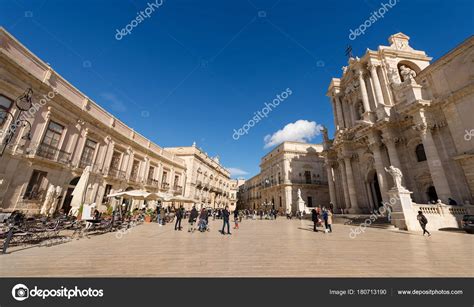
pixel 23 103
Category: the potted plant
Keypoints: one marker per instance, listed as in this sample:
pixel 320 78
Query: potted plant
pixel 148 215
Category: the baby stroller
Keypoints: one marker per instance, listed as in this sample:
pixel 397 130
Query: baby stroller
pixel 203 225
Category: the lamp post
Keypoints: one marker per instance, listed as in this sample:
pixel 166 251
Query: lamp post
pixel 23 103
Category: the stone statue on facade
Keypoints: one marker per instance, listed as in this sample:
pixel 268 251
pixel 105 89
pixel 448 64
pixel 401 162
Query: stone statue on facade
pixel 55 203
pixel 48 200
pixel 396 175
pixel 408 74
pixel 324 130
pixel 360 110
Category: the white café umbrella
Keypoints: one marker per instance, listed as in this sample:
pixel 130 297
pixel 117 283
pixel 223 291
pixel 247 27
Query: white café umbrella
pixel 179 198
pixel 79 193
pixel 137 194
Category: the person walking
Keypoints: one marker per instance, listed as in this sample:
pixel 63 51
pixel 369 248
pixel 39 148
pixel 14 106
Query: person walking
pixel 162 215
pixel 225 218
pixel 314 218
pixel 329 220
pixel 192 218
pixel 423 221
pixel 236 218
pixel 327 223
pixel 179 217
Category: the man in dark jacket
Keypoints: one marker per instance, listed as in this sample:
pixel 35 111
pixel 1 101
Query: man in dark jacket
pixel 423 221
pixel 192 218
pixel 179 217
pixel 225 218
pixel 314 218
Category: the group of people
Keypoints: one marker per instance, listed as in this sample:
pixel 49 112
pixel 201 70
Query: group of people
pixel 326 215
pixel 199 220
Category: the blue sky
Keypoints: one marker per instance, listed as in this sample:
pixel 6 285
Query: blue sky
pixel 197 70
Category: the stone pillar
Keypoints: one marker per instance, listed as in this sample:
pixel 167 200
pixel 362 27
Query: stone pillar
pixel 286 171
pixel 334 112
pixel 332 189
pixel 438 174
pixel 369 195
pixel 344 184
pixel 351 184
pixel 340 115
pixel 376 82
pixel 390 141
pixel 288 199
pixel 363 91
pixel 109 153
pixel 81 142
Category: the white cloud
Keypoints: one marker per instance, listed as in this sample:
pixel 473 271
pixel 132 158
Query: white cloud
pixel 114 103
pixel 299 131
pixel 236 172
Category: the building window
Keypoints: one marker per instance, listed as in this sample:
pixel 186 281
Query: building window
pixel 115 162
pixel 5 106
pixel 310 201
pixel 176 181
pixel 135 168
pixel 307 176
pixel 420 153
pixel 88 153
pixel 105 199
pixel 164 178
pixel 36 186
pixel 151 172
pixel 53 134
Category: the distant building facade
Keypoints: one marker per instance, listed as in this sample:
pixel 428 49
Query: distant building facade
pixel 207 181
pixel 68 133
pixel 290 167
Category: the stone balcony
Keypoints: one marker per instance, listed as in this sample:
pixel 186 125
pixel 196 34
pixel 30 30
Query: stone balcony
pixel 49 153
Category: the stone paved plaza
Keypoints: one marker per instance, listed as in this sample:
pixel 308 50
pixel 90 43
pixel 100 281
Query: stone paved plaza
pixel 265 248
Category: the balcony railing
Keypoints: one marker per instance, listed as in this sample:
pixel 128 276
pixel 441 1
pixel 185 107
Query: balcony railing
pixel 135 178
pixel 85 162
pixel 152 182
pixel 178 189
pixel 51 153
pixel 165 186
pixel 115 173
pixel 307 181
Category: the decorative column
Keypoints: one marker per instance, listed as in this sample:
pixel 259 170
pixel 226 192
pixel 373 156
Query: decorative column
pixel 334 112
pixel 438 174
pixel 332 189
pixel 390 140
pixel 342 168
pixel 351 183
pixel 363 91
pixel 108 153
pixel 340 114
pixel 375 78
pixel 288 199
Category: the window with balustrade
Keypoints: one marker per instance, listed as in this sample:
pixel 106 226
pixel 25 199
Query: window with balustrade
pixel 50 145
pixel 88 153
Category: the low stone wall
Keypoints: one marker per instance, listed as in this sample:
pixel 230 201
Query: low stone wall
pixel 439 215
